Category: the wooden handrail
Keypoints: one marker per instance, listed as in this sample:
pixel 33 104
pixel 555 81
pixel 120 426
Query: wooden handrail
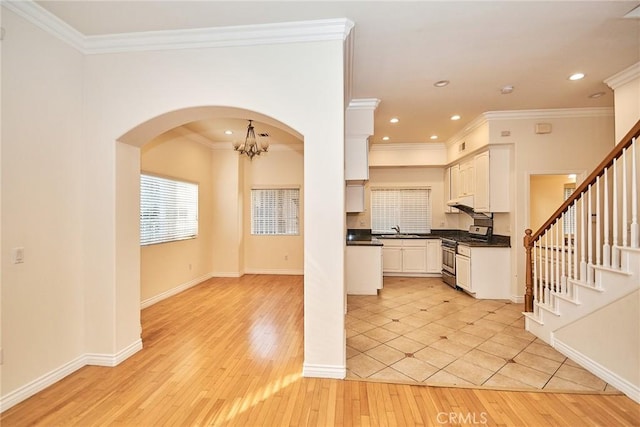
pixel 531 237
pixel 591 179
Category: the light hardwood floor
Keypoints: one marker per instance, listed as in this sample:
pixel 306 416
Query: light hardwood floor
pixel 230 352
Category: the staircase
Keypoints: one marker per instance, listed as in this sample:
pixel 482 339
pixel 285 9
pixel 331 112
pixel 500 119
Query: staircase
pixel 584 263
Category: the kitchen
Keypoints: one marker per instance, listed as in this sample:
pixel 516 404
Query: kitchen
pixel 427 246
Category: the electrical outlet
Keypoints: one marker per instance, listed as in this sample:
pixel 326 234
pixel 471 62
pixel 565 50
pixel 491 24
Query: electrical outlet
pixel 1 356
pixel 286 257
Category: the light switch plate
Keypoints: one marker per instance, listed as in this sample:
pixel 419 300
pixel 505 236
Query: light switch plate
pixel 17 255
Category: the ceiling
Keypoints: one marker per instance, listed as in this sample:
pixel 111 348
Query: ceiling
pixel 402 48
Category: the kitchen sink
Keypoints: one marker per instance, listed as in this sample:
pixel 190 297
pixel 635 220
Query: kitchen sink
pixel 399 236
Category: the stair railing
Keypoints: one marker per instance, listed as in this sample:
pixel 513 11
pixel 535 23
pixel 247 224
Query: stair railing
pixel 587 230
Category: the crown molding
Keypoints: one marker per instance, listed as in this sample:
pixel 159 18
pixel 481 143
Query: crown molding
pixel 473 125
pixel 47 21
pixel 553 113
pixel 623 77
pixel 242 35
pixel 408 146
pixel 363 104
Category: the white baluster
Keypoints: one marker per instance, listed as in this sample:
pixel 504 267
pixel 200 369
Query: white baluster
pixel 583 240
pixel 536 283
pixel 556 256
pixel 635 230
pixel 563 239
pixel 589 236
pixel 598 238
pixel 615 255
pixel 606 248
pixel 546 268
pixel 624 197
pixel 575 241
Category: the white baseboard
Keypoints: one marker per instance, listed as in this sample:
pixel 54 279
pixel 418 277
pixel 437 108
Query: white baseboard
pixel 517 299
pixel 226 274
pixel 112 360
pixel 631 390
pixel 275 271
pixel 174 291
pixel 26 391
pixel 39 384
pixel 324 371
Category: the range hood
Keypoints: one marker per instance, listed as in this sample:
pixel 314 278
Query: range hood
pixel 465 204
pixel 461 203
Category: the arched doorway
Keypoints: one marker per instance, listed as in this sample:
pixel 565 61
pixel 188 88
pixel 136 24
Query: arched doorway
pixel 199 152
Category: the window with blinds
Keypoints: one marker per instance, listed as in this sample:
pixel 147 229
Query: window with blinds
pixel 275 211
pixel 409 208
pixel 569 219
pixel 168 210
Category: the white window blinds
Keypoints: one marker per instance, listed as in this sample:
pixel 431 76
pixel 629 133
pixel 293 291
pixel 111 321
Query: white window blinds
pixel 275 211
pixel 409 208
pixel 168 210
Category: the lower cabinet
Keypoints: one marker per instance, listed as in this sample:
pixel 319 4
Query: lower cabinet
pixel 411 256
pixel 363 266
pixel 484 272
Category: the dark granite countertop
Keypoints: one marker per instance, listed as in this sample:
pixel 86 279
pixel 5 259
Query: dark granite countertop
pixel 363 237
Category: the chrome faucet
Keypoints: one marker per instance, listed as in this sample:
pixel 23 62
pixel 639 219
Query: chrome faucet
pixel 397 228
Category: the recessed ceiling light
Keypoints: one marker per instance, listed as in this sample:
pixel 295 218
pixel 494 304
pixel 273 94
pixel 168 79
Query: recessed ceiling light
pixel 441 83
pixel 385 138
pixel 576 76
pixel 455 117
pixel 596 95
pixel 433 137
pixel 506 90
pixel 394 120
pixel 228 132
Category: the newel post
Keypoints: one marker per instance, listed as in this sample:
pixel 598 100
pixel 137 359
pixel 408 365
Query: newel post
pixel 528 275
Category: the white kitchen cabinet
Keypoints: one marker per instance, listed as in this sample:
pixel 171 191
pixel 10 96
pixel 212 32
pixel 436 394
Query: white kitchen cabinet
pixel 455 181
pixel 434 256
pixel 466 178
pixel 356 161
pixel 354 198
pixel 463 273
pixel 411 257
pixel 450 187
pixel 484 272
pixel 363 270
pixel 392 256
pixel 491 169
pixel 414 256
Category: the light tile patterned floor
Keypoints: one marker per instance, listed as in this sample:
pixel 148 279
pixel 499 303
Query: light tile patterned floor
pixel 419 330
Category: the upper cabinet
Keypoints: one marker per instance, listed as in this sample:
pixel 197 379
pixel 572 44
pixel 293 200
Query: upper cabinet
pixel 485 176
pixel 491 176
pixel 466 179
pixel 451 187
pixel 358 129
pixel 356 159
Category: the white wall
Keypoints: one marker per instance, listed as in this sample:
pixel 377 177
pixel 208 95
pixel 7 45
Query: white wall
pixel 70 193
pixel 282 166
pixel 42 193
pixel 578 142
pixel 166 266
pixel 614 329
pixel 626 87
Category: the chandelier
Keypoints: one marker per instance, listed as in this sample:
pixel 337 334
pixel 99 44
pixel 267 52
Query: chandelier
pixel 250 146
